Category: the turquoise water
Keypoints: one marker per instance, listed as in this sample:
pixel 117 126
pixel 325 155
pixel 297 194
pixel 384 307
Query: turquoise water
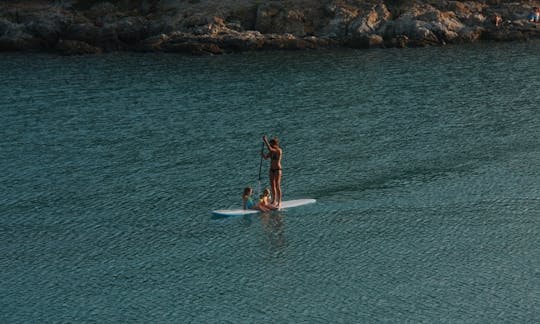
pixel 424 163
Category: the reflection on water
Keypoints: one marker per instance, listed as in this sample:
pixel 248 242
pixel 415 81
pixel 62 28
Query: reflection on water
pixel 274 229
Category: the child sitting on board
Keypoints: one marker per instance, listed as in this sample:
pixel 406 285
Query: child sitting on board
pixel 265 200
pixel 250 203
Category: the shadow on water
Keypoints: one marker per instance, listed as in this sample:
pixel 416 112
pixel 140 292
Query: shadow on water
pixel 395 176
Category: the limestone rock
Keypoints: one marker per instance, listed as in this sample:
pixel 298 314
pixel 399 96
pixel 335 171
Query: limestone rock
pixel 132 30
pixel 153 43
pixel 85 32
pixel 444 25
pixel 365 41
pixel 338 26
pixel 14 37
pixel 471 34
pixel 211 27
pixel 74 47
pixel 245 41
pixel 274 18
pixel 102 9
pixel 190 43
pixel 287 42
pixel 416 31
pixel 371 21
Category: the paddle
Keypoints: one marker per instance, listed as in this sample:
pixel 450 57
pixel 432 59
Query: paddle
pixel 260 168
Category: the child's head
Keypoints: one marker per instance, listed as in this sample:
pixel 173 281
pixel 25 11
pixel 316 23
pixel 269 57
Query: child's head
pixel 266 192
pixel 248 191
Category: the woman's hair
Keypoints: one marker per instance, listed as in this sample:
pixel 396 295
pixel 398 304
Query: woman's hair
pixel 247 190
pixel 274 141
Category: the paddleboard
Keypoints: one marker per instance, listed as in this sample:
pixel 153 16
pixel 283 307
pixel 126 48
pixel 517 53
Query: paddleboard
pixel 284 205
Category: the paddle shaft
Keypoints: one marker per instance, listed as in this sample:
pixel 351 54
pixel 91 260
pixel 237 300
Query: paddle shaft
pixel 260 165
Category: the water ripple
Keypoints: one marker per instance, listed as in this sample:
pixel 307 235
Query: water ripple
pixel 425 177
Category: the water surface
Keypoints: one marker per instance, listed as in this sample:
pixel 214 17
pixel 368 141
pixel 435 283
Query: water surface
pixel 424 163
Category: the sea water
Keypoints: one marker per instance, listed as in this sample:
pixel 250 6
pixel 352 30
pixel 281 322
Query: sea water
pixel 424 164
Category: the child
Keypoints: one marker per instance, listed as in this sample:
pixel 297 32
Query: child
pixel 496 20
pixel 265 200
pixel 249 203
pixel 534 16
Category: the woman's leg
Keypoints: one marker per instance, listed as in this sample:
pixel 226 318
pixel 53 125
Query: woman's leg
pixel 272 186
pixel 277 180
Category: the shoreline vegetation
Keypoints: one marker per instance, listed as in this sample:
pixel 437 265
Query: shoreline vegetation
pixel 209 27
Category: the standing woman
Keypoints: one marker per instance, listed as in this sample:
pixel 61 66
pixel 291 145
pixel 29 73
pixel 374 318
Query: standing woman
pixel 274 153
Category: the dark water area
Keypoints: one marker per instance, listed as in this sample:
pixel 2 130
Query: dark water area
pixel 424 164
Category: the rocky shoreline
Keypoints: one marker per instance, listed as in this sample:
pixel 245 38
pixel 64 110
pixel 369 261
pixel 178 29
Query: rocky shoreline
pixel 212 27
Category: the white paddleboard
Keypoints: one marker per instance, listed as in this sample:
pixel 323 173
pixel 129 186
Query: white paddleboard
pixel 284 205
pixel 295 203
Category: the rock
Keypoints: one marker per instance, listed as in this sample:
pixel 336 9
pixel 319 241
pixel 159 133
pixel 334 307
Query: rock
pixel 245 17
pixel 195 48
pixel 520 23
pixel 48 26
pixel 84 32
pixel 101 9
pixel 338 26
pixel 161 26
pixel 444 25
pixel 514 10
pixel 154 43
pixel 471 34
pixel 14 37
pixel 209 27
pixel 505 36
pixel 293 23
pixel 167 5
pixel 322 42
pixel 375 41
pixel 47 31
pixel 107 38
pixel 234 25
pixel 466 10
pixel 400 41
pixel 274 18
pixel 196 24
pixel 8 27
pixel 417 32
pixel 369 23
pixel 74 47
pixel 190 43
pixel 287 42
pixel 132 30
pixel 365 41
pixel 425 25
pixel 266 13
pixel 201 25
pixel 245 41
pixel 520 30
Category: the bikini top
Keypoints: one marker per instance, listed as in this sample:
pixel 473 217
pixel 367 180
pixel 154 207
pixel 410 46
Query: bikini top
pixel 250 203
